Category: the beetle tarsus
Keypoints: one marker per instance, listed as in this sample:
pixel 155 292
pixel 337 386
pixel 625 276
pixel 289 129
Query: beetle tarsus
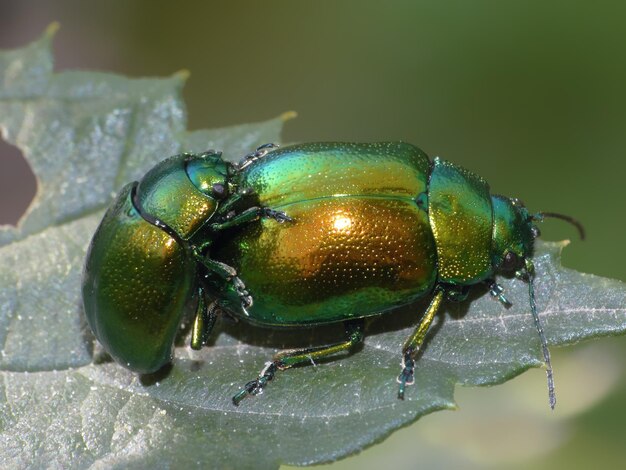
pixel 407 376
pixel 252 157
pixel 278 216
pixel 244 295
pixel 256 386
pixel 497 292
pixel 229 274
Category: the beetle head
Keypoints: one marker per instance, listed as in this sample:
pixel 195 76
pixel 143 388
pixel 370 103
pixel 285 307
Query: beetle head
pixel 513 234
pixel 209 173
pixel 513 241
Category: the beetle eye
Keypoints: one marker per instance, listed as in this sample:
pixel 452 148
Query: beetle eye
pixel 219 191
pixel 510 262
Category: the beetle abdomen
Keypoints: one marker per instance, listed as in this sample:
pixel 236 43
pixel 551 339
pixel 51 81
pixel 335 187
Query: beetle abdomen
pixel 136 287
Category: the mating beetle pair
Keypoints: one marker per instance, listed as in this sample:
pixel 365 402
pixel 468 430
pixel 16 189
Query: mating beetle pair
pixel 302 235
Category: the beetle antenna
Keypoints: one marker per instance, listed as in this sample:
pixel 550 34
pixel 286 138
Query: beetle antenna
pixel 544 342
pixel 539 216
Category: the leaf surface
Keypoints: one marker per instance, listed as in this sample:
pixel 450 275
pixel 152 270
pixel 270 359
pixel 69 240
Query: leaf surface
pixel 64 405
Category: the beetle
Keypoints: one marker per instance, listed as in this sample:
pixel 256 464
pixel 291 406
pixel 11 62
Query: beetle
pixel 367 228
pixel 142 273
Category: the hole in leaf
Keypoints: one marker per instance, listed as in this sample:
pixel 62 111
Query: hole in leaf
pixel 17 184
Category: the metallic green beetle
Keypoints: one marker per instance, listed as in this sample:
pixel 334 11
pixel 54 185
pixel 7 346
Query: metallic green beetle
pixel 143 269
pixel 374 227
pixel 370 227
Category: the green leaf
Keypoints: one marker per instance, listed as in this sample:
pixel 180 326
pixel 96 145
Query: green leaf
pixel 62 403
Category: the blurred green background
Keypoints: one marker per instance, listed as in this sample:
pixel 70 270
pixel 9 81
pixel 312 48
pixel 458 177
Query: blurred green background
pixel 530 95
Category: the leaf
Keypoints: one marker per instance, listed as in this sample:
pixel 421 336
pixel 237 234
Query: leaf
pixel 64 405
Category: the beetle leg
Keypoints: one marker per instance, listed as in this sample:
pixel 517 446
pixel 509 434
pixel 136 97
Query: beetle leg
pixel 226 205
pixel 457 293
pixel 252 157
pixel 225 210
pixel 229 274
pixel 203 322
pixel 414 342
pixel 251 214
pixel 292 357
pixel 497 292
